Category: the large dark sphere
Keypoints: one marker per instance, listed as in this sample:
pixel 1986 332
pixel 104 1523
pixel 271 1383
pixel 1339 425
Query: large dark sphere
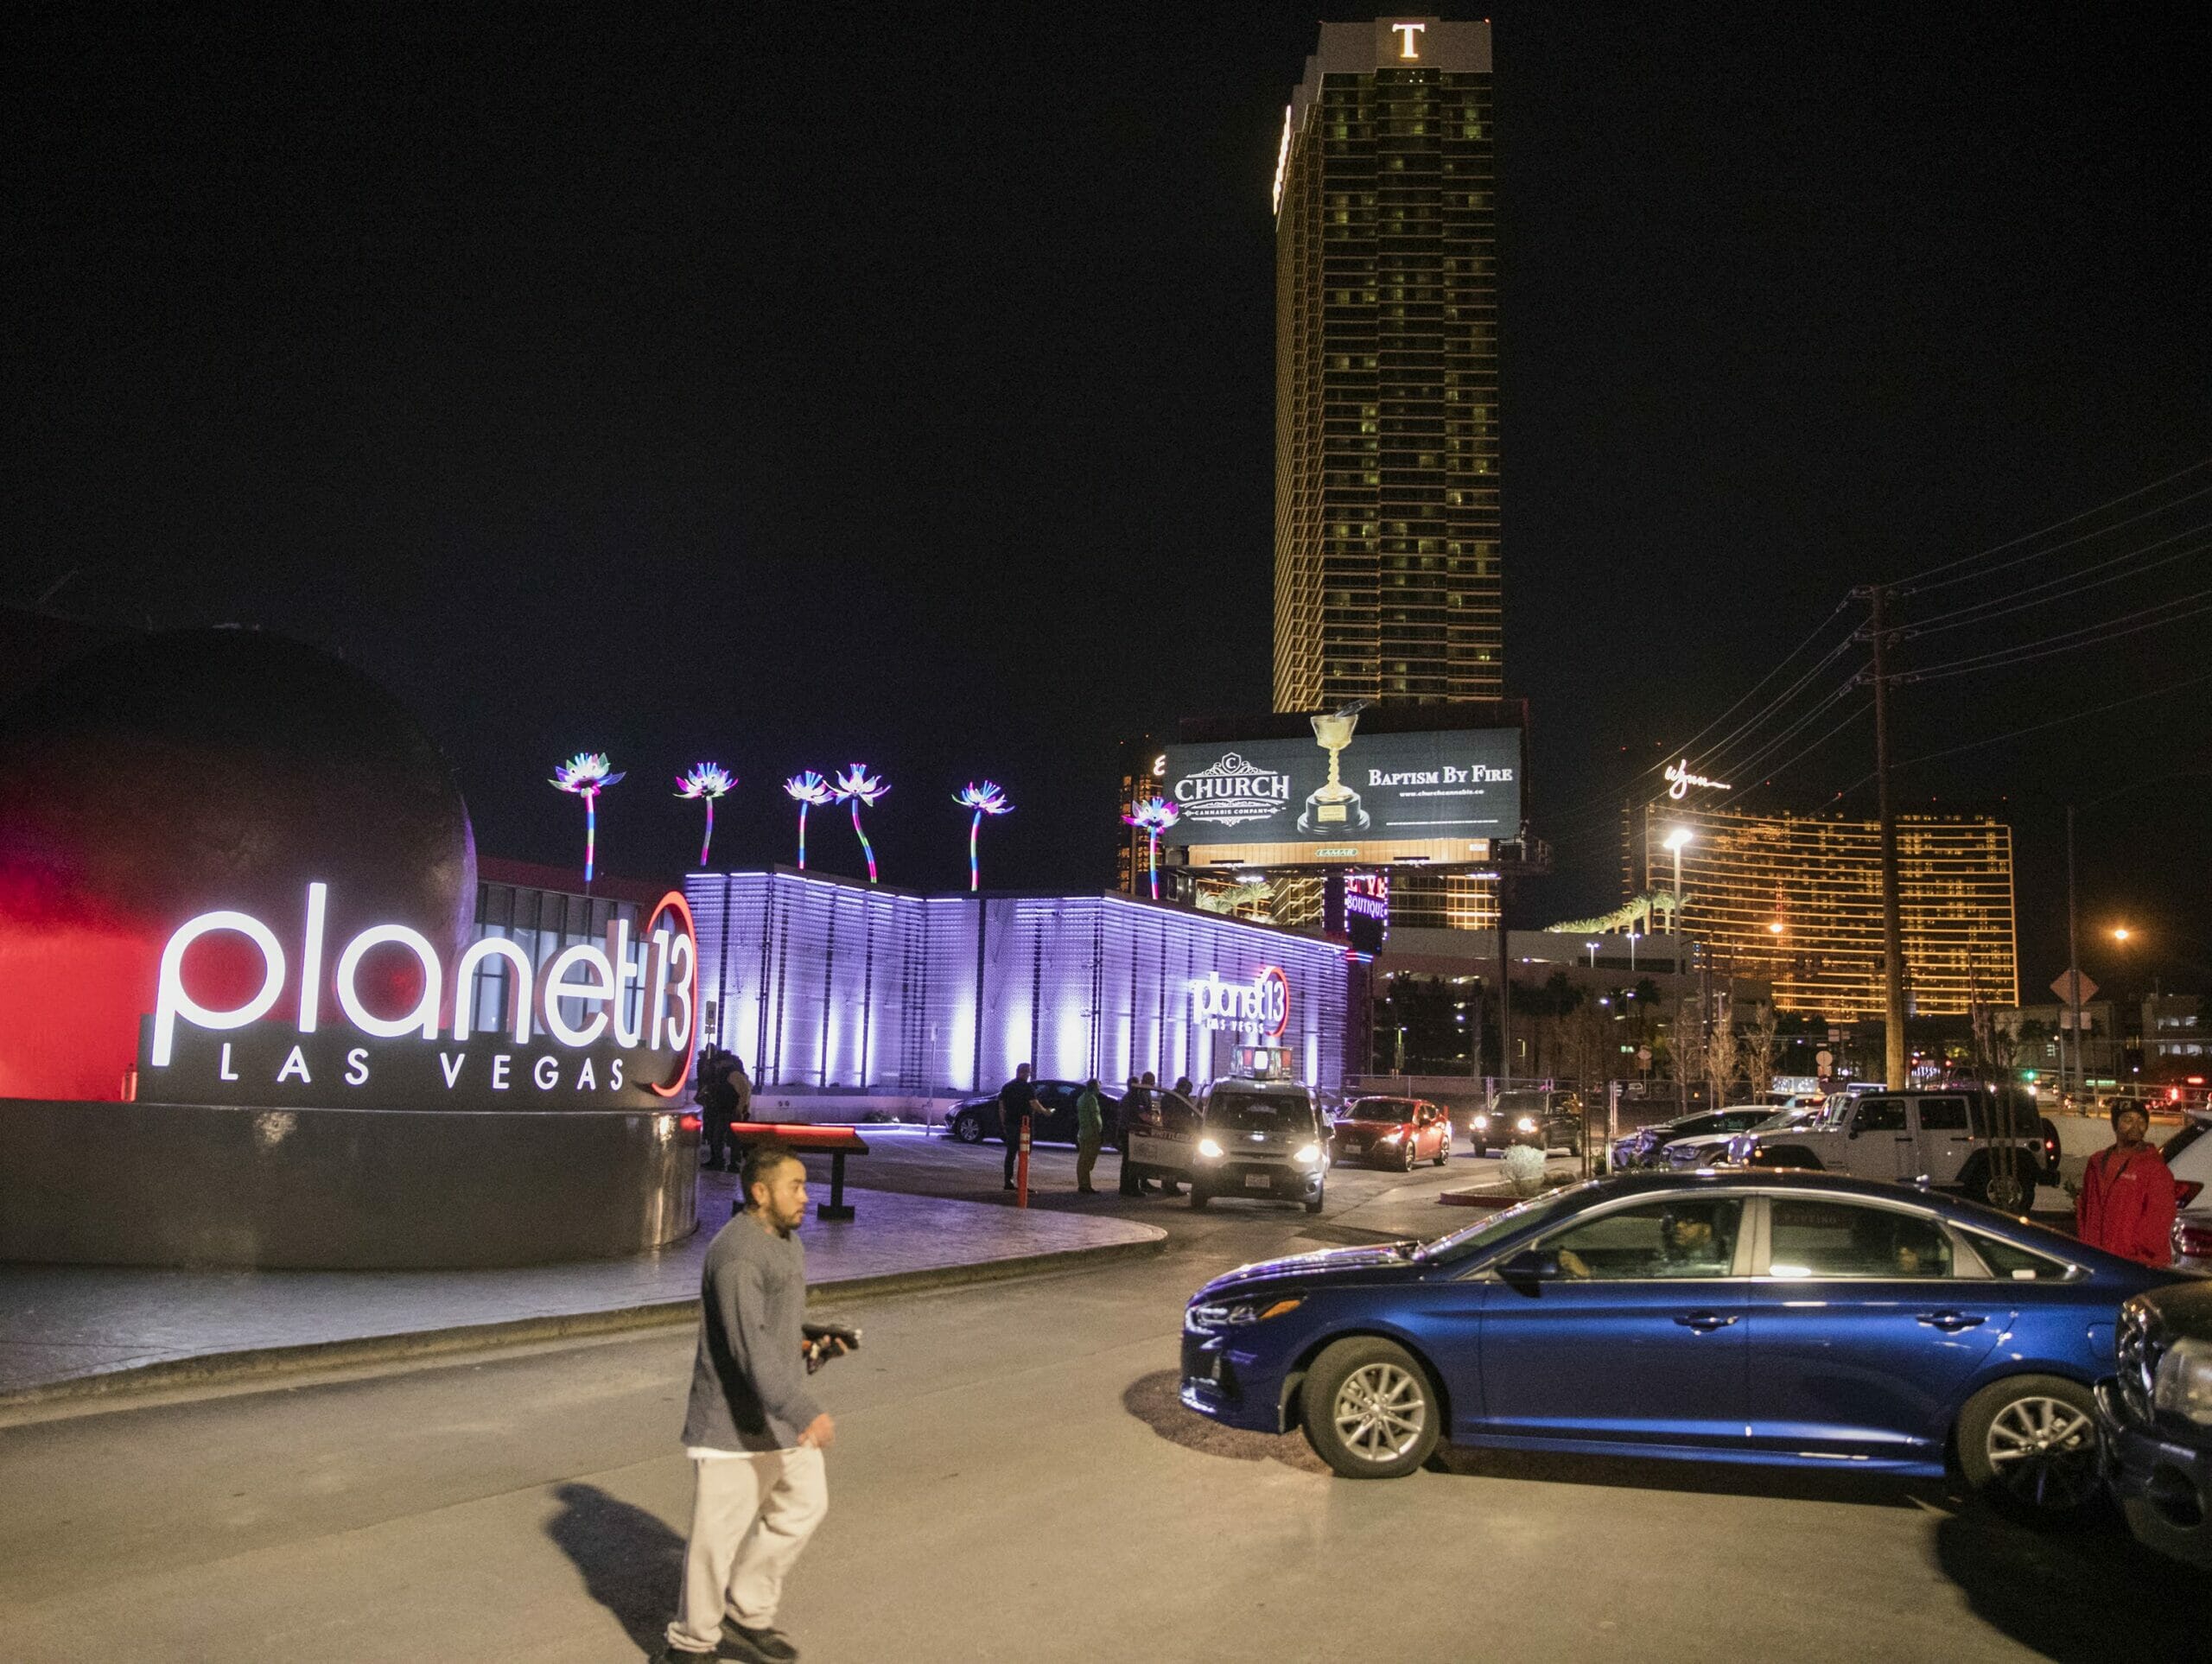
pixel 157 779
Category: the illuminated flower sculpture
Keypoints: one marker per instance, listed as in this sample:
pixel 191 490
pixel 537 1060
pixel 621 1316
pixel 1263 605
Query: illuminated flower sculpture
pixel 708 781
pixel 587 774
pixel 857 786
pixel 1155 816
pixel 984 799
pixel 812 792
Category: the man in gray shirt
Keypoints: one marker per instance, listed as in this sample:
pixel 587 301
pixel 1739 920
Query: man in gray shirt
pixel 753 1432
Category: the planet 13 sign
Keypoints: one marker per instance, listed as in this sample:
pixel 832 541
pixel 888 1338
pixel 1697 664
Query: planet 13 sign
pixel 602 1026
pixel 1261 1004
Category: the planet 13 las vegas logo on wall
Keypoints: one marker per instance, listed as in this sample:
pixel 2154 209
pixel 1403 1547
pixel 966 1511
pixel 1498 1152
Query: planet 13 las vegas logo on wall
pixel 601 1024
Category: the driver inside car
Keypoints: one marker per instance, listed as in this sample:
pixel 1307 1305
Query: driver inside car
pixel 1688 1246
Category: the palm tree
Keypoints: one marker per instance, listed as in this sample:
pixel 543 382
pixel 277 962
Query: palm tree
pixel 587 774
pixel 1155 816
pixel 984 799
pixel 812 792
pixel 857 786
pixel 707 781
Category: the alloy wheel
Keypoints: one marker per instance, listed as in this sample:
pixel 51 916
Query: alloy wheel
pixel 1380 1412
pixel 2044 1451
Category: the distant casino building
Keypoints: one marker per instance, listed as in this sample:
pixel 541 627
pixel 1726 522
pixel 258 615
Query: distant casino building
pixel 1797 899
pixel 1387 566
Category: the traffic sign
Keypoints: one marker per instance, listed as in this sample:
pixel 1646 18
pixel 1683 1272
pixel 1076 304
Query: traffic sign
pixel 2065 985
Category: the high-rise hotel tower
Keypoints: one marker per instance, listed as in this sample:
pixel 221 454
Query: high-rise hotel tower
pixel 1387 581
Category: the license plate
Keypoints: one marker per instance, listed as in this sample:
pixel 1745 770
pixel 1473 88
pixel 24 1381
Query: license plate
pixel 1258 1181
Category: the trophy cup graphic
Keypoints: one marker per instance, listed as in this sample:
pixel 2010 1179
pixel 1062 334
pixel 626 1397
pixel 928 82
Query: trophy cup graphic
pixel 1335 805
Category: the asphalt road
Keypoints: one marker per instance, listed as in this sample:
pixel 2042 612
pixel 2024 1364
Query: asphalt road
pixel 1013 1480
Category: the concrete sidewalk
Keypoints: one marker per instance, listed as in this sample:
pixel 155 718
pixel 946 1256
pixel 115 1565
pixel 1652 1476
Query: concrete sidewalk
pixel 75 1331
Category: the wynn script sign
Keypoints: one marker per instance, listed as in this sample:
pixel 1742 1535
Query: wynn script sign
pixel 600 1026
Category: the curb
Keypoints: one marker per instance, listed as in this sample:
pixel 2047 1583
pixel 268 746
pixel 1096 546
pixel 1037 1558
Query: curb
pixel 274 1362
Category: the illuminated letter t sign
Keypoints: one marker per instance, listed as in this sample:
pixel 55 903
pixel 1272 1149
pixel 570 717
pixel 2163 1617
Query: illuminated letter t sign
pixel 1409 46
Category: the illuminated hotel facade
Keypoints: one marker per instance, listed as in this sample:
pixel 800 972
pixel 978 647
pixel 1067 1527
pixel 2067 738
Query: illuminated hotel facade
pixel 1797 899
pixel 1387 568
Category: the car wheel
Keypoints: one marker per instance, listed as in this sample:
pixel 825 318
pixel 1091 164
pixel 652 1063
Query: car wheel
pixel 968 1127
pixel 1407 1158
pixel 1443 1151
pixel 1368 1409
pixel 1199 1196
pixel 2029 1445
pixel 2002 1185
pixel 1314 1206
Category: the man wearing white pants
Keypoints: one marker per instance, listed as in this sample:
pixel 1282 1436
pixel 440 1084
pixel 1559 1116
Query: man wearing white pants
pixel 753 1432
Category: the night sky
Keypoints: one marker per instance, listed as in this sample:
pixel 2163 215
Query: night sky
pixel 897 385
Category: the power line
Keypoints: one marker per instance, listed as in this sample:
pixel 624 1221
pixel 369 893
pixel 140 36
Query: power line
pixel 1774 773
pixel 1917 580
pixel 2066 642
pixel 2038 554
pixel 1568 814
pixel 2035 727
pixel 1999 607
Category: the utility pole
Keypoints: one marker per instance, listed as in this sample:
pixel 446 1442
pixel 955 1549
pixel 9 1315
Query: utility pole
pixel 1505 985
pixel 2073 976
pixel 1892 921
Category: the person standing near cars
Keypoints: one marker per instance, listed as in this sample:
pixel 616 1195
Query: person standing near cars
pixel 2126 1204
pixel 1017 1102
pixel 754 1434
pixel 1089 1133
pixel 717 1103
pixel 1134 1100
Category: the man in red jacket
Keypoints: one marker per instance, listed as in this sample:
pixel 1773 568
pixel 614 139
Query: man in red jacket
pixel 2127 1205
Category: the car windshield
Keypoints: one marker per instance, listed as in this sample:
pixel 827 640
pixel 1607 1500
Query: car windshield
pixel 1383 1110
pixel 1477 1237
pixel 1787 1118
pixel 1251 1112
pixel 1523 1103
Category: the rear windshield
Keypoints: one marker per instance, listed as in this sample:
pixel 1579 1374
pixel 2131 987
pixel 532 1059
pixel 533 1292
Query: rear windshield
pixel 1249 1112
pixel 2181 1140
pixel 1383 1110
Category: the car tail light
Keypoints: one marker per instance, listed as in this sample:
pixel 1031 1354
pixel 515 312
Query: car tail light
pixel 2193 1240
pixel 2186 1190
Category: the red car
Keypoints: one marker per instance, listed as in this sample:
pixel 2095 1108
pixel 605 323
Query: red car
pixel 1399 1133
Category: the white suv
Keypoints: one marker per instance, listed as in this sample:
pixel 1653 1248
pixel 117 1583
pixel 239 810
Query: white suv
pixel 1960 1138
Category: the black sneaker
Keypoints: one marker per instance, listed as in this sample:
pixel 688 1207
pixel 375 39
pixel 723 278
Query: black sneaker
pixel 769 1646
pixel 672 1654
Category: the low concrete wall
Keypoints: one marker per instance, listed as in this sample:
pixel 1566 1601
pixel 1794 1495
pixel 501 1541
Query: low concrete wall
pixel 193 1185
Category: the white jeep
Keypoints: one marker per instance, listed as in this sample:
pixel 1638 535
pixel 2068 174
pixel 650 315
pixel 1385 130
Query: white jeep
pixel 1987 1144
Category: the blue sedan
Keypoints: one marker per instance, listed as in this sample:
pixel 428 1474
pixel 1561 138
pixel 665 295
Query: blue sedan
pixel 1796 1319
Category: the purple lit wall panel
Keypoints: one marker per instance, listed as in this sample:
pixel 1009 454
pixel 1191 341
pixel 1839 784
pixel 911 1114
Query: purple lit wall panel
pixel 823 982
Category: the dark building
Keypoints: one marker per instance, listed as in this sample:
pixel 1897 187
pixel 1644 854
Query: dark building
pixel 1387 566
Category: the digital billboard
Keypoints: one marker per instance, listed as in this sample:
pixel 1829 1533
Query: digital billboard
pixel 1347 799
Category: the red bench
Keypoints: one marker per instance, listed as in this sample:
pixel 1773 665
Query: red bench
pixel 838 1141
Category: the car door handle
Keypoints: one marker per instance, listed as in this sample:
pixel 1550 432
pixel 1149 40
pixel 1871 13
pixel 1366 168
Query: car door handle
pixel 1704 1322
pixel 1951 1322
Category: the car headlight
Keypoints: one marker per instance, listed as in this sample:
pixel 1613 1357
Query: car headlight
pixel 1210 1149
pixel 1306 1154
pixel 2183 1383
pixel 1394 1135
pixel 1482 1123
pixel 1525 1125
pixel 1229 1313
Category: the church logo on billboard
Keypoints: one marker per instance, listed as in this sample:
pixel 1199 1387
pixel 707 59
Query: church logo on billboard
pixel 1231 792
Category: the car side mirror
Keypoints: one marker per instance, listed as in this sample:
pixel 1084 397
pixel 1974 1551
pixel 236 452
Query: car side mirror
pixel 1530 1265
